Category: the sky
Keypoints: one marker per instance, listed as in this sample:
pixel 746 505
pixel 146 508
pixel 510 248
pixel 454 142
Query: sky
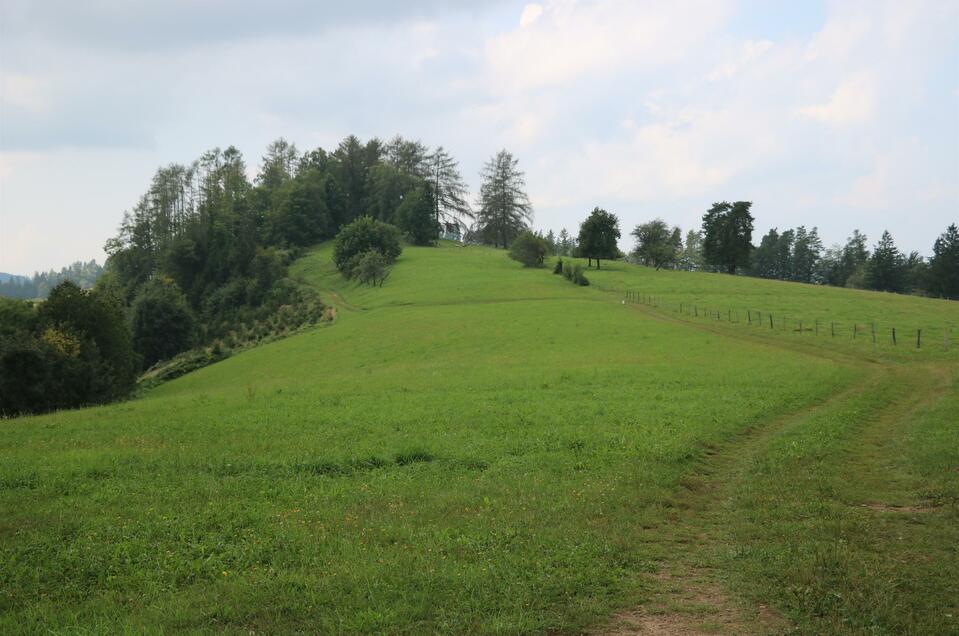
pixel 837 115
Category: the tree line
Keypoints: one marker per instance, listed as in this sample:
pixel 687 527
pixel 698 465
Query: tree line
pixel 723 243
pixel 42 283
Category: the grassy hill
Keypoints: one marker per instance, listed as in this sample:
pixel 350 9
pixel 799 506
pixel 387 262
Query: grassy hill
pixel 479 448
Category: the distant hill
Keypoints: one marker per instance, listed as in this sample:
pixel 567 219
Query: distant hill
pixel 5 277
pixel 40 284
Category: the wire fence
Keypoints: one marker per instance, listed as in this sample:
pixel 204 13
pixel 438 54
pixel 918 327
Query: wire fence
pixel 879 335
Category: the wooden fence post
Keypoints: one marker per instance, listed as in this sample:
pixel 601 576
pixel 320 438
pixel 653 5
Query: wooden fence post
pixel 893 336
pixel 855 329
pixel 918 338
pixel 770 321
pixel 832 328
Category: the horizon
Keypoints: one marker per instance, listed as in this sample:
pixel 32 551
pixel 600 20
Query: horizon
pixel 842 115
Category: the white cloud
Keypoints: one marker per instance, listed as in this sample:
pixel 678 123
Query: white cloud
pixel 574 39
pixel 853 102
pixel 531 13
pixel 751 51
pixel 25 91
pixel 896 180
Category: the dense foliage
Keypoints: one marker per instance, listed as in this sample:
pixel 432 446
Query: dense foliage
pixel 598 235
pixel 657 245
pixel 226 242
pixel 363 235
pixel 727 235
pixel 202 259
pixel 73 349
pixel 163 323
pixel 944 266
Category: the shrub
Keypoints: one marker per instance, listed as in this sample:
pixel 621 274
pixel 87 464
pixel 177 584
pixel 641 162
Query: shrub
pixel 529 249
pixel 363 234
pixel 558 269
pixel 372 268
pixel 578 276
pixel 568 270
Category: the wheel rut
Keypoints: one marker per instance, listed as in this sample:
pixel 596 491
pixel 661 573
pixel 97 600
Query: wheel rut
pixel 690 595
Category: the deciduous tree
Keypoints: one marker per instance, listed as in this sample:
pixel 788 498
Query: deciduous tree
pixel 657 245
pixel 598 235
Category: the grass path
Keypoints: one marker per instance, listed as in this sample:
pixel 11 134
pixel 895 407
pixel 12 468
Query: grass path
pixel 714 581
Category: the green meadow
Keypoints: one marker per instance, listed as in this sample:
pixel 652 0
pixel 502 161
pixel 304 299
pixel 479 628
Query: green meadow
pixel 476 447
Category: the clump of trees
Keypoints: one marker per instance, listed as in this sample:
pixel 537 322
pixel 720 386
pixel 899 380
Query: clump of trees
pixel 724 245
pixel 202 258
pixel 73 349
pixel 562 244
pixel 529 249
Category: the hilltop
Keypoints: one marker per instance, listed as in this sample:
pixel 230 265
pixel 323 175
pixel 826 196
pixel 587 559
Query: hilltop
pixel 476 447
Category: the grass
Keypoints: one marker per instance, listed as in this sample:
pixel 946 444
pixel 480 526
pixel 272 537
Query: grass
pixel 472 448
pixel 836 310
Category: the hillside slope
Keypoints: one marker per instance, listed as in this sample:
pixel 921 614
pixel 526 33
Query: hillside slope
pixel 473 448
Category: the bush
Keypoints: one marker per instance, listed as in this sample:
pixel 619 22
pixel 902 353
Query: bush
pixel 529 249
pixel 363 234
pixel 558 269
pixel 578 276
pixel 568 270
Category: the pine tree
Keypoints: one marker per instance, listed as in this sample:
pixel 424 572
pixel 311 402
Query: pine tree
pixel 885 270
pixel 944 265
pixel 728 231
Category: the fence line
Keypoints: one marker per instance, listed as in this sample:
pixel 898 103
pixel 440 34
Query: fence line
pixel 755 318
